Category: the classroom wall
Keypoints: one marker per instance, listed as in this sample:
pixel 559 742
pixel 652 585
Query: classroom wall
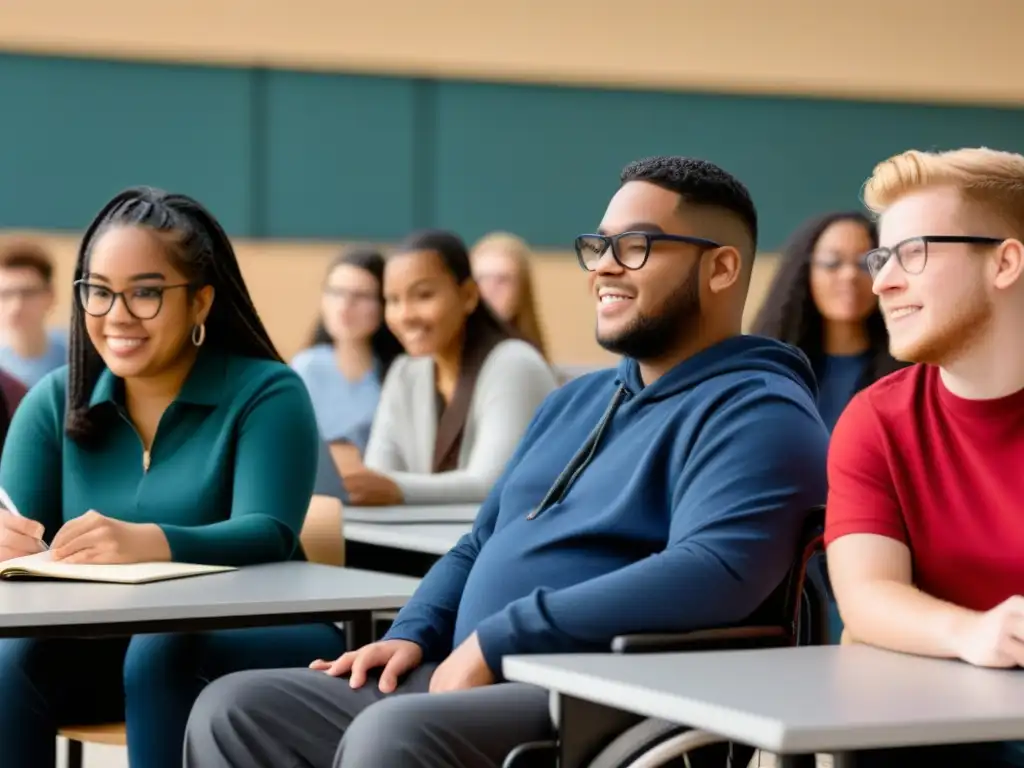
pixel 307 124
pixel 872 48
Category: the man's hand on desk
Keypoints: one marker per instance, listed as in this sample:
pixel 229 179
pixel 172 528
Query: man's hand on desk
pixel 368 488
pixel 95 538
pixel 994 638
pixel 397 657
pixel 465 668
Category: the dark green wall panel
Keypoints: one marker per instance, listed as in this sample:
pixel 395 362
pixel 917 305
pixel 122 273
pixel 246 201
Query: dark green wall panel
pixel 543 161
pixel 305 155
pixel 341 156
pixel 73 133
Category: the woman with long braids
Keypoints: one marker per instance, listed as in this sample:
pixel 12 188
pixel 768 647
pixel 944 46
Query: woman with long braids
pixel 175 433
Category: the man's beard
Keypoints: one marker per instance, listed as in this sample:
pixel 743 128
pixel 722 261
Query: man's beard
pixel 650 337
pixel 961 328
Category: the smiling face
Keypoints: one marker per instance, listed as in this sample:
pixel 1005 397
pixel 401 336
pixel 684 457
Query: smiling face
pixel 839 282
pixel 643 313
pixel 933 316
pixel 423 305
pixel 133 262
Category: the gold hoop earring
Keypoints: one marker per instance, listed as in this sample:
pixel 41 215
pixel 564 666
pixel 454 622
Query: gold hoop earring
pixel 199 334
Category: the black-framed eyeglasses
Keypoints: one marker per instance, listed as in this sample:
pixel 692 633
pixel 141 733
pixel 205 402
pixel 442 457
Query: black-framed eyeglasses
pixel 143 302
pixel 629 249
pixel 912 254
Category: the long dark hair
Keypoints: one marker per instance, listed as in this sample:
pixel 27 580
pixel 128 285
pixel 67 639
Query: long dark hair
pixel 484 330
pixel 383 342
pixel 202 251
pixel 790 314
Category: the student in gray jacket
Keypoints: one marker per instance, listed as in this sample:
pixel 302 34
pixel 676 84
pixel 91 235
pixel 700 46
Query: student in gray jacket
pixel 452 410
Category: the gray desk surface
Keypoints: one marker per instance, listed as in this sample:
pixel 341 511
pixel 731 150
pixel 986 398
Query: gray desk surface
pixel 797 700
pixel 432 538
pixel 441 513
pixel 278 589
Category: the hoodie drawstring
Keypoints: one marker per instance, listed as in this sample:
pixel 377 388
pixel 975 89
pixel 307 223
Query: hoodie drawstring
pixel 582 458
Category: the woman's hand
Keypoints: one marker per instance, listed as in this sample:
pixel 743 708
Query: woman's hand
pixel 367 488
pixel 95 538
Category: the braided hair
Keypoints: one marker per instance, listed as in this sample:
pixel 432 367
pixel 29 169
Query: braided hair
pixel 198 247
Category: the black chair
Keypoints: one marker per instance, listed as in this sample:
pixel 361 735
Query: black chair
pixel 794 614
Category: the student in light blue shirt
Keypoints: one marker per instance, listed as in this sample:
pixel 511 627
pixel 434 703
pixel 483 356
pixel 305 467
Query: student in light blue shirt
pixel 29 350
pixel 821 302
pixel 351 349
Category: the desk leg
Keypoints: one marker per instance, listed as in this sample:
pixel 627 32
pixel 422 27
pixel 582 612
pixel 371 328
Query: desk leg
pixel 585 728
pixel 359 631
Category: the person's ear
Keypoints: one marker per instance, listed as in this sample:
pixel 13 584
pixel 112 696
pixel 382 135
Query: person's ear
pixel 469 293
pixel 202 303
pixel 1008 263
pixel 725 266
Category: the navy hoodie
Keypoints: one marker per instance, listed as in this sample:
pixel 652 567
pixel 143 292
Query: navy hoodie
pixel 627 508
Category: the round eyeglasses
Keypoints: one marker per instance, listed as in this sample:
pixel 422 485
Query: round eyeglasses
pixel 912 254
pixel 143 302
pixel 629 249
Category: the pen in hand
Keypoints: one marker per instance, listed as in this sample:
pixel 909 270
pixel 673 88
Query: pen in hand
pixel 8 504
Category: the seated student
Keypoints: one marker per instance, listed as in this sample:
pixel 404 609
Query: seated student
pixel 452 411
pixel 350 352
pixel 666 495
pixel 501 267
pixel 924 529
pixel 161 440
pixel 821 302
pixel 29 350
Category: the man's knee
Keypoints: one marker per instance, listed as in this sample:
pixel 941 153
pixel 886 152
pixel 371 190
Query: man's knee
pixel 404 721
pixel 231 704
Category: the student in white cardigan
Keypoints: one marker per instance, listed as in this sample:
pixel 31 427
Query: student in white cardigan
pixel 452 410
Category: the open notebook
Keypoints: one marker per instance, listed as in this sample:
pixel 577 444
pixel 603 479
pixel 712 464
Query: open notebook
pixel 42 566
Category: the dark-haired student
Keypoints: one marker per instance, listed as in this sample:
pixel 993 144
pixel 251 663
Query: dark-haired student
pixel 453 410
pixel 29 350
pixel 350 353
pixel 821 302
pixel 664 496
pixel 12 391
pixel 161 440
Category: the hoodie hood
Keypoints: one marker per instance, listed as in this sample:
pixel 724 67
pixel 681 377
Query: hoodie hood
pixel 739 354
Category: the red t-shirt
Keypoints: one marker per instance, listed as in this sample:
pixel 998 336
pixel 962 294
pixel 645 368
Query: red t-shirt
pixel 944 475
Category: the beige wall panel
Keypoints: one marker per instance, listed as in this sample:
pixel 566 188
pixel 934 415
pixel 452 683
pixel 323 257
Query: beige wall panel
pixel 284 279
pixel 907 49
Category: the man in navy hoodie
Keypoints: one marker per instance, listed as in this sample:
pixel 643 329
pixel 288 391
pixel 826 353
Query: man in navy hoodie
pixel 664 496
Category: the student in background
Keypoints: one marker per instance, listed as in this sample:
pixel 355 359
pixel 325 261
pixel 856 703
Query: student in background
pixel 501 267
pixel 665 496
pixel 923 527
pixel 452 411
pixel 175 433
pixel 28 350
pixel 821 302
pixel 350 352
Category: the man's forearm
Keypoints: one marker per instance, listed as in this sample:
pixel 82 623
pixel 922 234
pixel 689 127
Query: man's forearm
pixel 901 617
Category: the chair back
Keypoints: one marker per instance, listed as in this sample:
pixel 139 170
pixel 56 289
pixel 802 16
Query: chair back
pixel 322 538
pixel 796 601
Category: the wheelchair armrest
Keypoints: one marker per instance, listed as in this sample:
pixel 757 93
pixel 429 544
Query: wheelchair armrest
pixel 533 754
pixel 726 638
